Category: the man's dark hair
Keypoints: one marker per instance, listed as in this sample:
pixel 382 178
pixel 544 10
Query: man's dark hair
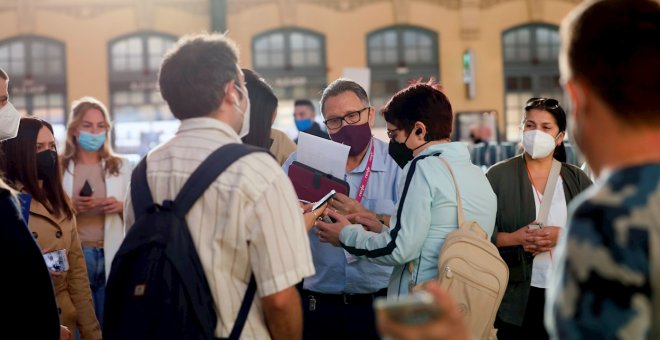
pixel 340 86
pixel 3 74
pixel 19 166
pixel 421 102
pixel 305 102
pixel 194 74
pixel 262 105
pixel 614 45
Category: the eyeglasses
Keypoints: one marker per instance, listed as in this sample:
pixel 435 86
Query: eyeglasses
pixel 350 118
pixel 392 133
pixel 541 103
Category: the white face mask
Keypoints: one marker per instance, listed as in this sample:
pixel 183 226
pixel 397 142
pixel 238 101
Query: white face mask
pixel 538 144
pixel 10 118
pixel 245 128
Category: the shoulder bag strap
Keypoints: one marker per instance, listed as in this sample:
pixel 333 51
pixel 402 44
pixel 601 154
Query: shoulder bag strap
pixel 141 198
pixel 459 202
pixel 549 192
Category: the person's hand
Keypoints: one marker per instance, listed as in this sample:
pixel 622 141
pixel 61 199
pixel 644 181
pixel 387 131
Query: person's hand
pixel 526 238
pixel 345 205
pixel 310 216
pixel 112 206
pixel 546 238
pixel 329 232
pixel 65 333
pixel 368 220
pixel 83 204
pixel 449 326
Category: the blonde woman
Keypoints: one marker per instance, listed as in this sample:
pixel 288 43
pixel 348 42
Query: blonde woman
pixel 96 179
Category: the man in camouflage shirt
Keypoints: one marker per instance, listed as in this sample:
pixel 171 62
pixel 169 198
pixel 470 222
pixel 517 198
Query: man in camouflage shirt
pixel 608 264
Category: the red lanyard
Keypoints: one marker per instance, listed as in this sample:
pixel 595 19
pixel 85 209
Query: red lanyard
pixel 538 194
pixel 367 173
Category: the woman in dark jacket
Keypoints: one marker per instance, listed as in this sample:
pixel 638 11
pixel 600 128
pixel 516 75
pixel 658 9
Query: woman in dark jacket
pixel 525 244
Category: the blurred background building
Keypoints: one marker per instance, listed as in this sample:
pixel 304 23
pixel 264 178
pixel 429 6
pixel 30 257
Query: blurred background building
pixel 490 55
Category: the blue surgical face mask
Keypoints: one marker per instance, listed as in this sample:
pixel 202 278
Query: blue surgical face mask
pixel 304 124
pixel 91 142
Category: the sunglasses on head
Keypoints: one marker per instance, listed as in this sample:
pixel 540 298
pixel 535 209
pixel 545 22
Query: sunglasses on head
pixel 541 103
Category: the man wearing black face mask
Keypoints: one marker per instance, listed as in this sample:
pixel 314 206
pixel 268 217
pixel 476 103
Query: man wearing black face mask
pixel 340 305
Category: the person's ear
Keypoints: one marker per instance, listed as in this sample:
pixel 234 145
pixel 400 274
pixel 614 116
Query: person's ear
pixel 419 130
pixel 578 99
pixel 231 95
pixel 372 116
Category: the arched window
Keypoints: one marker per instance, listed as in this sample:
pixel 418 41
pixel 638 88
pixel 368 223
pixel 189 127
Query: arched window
pixel 141 116
pixel 292 60
pixel 530 69
pixel 397 55
pixel 37 79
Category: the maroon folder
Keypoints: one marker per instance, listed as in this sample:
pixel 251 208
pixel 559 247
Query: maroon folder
pixel 311 184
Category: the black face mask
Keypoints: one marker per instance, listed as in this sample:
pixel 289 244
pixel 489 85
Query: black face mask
pixel 400 153
pixel 46 162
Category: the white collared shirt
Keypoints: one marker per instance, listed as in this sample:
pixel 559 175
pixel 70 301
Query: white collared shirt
pixel 247 221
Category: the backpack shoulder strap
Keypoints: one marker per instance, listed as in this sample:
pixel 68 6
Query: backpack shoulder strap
pixel 459 205
pixel 207 172
pixel 140 193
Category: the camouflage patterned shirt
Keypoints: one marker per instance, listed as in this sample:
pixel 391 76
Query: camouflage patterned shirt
pixel 609 261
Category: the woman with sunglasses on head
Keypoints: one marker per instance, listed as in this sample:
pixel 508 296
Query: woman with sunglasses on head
pixel 96 179
pixel 31 165
pixel 531 213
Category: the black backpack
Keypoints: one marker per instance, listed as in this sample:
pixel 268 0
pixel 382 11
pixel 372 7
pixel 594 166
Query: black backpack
pixel 157 288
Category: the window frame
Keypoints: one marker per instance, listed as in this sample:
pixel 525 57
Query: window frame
pixel 534 68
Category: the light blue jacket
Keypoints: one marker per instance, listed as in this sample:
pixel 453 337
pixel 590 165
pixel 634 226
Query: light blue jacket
pixel 425 214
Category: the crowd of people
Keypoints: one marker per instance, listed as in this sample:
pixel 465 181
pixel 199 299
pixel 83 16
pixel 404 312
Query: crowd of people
pixel 583 257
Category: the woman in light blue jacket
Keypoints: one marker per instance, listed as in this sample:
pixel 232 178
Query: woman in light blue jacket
pixel 419 123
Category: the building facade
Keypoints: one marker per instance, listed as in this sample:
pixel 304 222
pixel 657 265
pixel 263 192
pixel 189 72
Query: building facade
pixel 490 55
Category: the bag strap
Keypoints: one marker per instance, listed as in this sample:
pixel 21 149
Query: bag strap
pixel 243 311
pixel 207 172
pixel 459 201
pixel 140 194
pixel 549 191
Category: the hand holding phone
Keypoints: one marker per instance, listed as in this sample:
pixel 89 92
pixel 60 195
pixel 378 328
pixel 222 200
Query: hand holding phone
pixel 414 309
pixel 323 200
pixel 444 320
pixel 86 190
pixel 535 226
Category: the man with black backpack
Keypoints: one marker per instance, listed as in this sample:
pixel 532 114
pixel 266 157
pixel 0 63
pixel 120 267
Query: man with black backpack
pixel 220 206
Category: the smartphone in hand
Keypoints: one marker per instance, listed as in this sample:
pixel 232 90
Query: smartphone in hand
pixel 414 309
pixel 323 200
pixel 86 190
pixel 535 226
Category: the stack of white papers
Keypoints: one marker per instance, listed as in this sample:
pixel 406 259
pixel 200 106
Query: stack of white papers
pixel 322 154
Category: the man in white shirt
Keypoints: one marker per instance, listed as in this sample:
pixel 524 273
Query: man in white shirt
pixel 248 221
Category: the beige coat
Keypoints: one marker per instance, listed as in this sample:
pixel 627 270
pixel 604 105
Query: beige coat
pixel 74 297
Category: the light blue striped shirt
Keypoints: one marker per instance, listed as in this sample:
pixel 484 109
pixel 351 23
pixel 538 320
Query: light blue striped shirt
pixel 334 275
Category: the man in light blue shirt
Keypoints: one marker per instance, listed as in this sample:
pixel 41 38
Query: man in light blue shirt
pixel 337 300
